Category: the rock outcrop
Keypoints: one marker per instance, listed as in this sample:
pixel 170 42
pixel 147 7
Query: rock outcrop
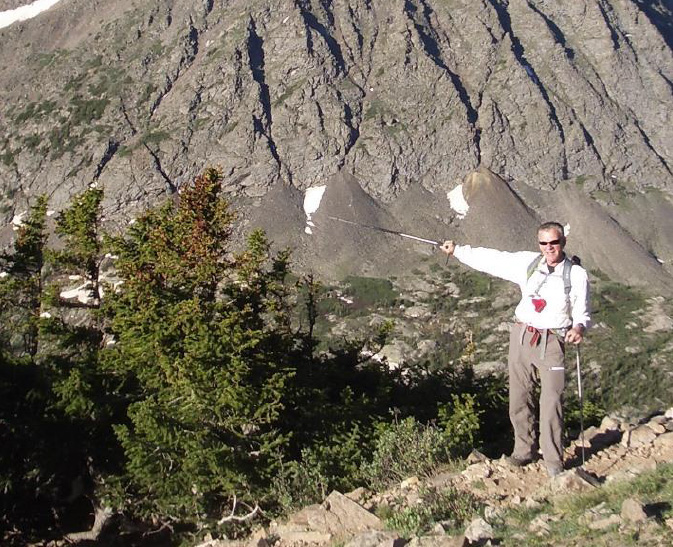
pixel 408 97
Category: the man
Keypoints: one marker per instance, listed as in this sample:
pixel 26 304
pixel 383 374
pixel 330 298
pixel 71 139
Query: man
pixel 553 311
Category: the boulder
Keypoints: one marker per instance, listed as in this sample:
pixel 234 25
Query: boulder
pixel 570 481
pixel 664 440
pixel 632 511
pixel 437 541
pixel 606 522
pixel 642 435
pixel 336 518
pixel 351 516
pixel 478 532
pixel 376 538
pixel 600 438
pixel 656 427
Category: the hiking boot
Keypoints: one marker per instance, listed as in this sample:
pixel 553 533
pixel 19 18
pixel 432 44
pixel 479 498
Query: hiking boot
pixel 518 462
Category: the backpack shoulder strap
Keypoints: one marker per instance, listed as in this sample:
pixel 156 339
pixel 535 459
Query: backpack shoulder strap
pixel 532 267
pixel 568 263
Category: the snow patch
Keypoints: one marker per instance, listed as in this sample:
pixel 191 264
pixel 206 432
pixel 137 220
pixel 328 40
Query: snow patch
pixel 566 230
pixel 3 274
pixel 45 315
pixel 51 213
pixel 312 199
pixel 17 221
pixel 25 12
pixel 458 202
pixel 83 293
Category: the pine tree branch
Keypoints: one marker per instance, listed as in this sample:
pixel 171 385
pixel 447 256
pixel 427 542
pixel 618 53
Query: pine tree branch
pixel 243 518
pixel 102 516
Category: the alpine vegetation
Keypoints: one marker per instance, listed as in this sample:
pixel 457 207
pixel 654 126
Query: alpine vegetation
pixel 188 384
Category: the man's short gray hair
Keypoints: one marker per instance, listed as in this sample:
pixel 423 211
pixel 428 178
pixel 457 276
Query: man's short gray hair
pixel 549 225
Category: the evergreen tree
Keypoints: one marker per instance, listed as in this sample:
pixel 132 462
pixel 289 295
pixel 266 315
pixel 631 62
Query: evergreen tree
pixel 28 466
pixel 203 340
pixel 21 284
pixel 89 398
pixel 55 402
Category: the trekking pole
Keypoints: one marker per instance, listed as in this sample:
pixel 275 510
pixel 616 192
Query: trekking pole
pixel 386 230
pixel 579 392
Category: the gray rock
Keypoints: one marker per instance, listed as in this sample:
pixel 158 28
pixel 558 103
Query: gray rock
pixel 492 514
pixel 656 427
pixel 632 511
pixel 570 481
pixel 417 312
pixel 396 353
pixel 376 538
pixel 437 541
pixel 487 368
pixel 351 516
pixel 605 522
pixel 478 532
pixel 337 517
pixel 639 436
pixel 665 440
pixel 600 438
pixel 540 525
pixel 609 423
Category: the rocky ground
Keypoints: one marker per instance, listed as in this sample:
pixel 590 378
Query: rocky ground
pixel 615 453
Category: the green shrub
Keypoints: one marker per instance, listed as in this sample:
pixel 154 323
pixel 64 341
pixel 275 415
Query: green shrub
pixel 85 111
pixel 326 466
pixel 403 449
pixel 370 291
pixel 460 421
pixel 450 507
pixel 8 157
pixel 592 412
pixel 155 136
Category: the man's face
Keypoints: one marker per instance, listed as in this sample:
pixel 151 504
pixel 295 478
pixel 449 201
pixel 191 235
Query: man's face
pixel 551 245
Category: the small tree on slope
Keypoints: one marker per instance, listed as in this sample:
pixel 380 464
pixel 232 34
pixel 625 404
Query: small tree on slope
pixel 203 342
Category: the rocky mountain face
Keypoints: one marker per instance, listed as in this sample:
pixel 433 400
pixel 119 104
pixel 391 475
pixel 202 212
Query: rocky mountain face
pixel 541 109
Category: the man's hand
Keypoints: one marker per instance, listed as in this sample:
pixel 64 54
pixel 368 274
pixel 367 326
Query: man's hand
pixel 575 335
pixel 448 247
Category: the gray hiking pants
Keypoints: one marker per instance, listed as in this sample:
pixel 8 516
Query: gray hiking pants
pixel 528 365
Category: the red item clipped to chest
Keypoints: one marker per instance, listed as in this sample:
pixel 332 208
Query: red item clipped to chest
pixel 539 304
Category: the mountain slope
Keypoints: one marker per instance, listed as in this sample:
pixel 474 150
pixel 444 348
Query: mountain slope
pixel 405 95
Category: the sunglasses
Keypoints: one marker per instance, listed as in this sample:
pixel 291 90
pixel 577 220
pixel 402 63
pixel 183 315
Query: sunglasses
pixel 552 242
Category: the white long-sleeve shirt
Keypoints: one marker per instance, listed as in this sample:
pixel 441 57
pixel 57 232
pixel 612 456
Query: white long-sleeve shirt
pixel 559 312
